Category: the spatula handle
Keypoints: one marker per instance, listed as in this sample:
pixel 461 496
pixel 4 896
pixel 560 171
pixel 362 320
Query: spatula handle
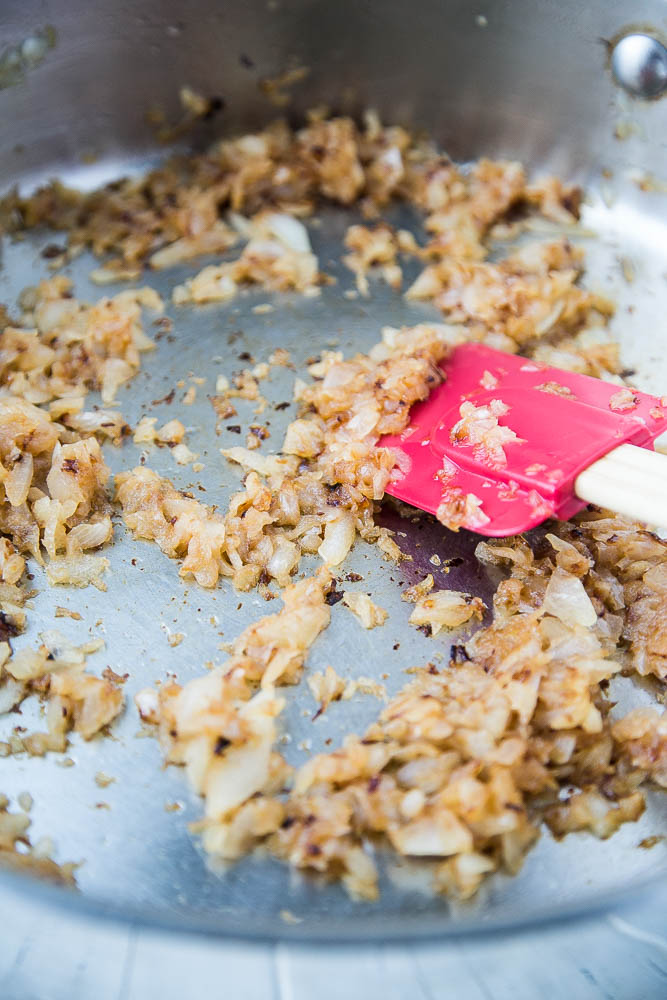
pixel 629 480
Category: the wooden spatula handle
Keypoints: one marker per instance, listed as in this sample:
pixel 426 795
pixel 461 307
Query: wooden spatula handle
pixel 629 480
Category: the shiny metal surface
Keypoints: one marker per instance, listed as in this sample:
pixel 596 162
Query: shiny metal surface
pixel 639 64
pixel 528 80
pixel 532 84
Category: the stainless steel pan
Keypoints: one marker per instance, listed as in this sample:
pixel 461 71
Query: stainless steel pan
pixel 528 79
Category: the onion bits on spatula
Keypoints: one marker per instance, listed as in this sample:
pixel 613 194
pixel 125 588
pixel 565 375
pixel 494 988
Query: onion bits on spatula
pixel 505 443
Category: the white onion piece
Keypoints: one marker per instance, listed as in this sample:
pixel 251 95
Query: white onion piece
pixel 338 538
pixel 89 536
pixel 289 231
pixel 283 561
pixel 565 598
pixel 436 836
pixel 19 479
pixel 12 694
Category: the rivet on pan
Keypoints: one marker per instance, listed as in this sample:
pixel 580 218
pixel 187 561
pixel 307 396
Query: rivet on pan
pixel 639 65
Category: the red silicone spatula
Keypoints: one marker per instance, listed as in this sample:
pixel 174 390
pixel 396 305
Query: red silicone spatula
pixel 504 443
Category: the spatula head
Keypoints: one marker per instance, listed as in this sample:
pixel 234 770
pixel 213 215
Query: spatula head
pixel 563 422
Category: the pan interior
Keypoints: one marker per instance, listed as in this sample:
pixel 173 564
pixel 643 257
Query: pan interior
pixel 132 836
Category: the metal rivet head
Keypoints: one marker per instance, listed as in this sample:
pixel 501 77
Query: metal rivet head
pixel 639 65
